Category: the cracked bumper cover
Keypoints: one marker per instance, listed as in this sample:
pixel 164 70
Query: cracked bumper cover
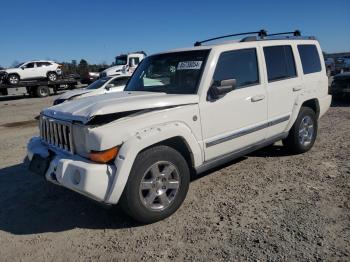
pixel 74 172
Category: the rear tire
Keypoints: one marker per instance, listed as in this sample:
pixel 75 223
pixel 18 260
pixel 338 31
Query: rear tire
pixel 42 91
pixel 13 79
pixel 52 76
pixel 157 185
pixel 303 133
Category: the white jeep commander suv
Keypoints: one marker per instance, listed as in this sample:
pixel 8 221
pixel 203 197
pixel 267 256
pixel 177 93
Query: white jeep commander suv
pixel 33 70
pixel 183 111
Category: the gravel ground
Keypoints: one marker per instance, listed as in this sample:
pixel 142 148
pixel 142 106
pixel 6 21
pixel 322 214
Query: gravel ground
pixel 269 205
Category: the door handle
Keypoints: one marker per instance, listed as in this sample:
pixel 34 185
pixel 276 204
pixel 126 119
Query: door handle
pixel 296 88
pixel 257 98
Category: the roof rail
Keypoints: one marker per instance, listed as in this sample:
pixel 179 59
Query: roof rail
pixel 295 33
pixel 262 33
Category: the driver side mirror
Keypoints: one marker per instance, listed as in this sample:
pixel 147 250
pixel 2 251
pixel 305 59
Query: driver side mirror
pixel 22 67
pixel 109 86
pixel 221 88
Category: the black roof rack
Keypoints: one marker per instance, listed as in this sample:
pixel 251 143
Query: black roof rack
pixel 262 33
pixel 295 33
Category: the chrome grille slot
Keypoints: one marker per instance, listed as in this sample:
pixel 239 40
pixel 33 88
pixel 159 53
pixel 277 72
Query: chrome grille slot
pixel 56 133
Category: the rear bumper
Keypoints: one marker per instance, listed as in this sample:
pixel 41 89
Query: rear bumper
pixel 74 172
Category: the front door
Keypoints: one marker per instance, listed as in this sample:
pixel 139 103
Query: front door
pixel 28 71
pixel 239 118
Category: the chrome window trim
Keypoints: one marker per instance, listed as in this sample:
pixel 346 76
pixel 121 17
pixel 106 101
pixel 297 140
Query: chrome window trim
pixel 246 131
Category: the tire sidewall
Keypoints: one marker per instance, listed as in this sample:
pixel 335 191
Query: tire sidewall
pixel 131 201
pixel 52 73
pixel 38 91
pixel 15 75
pixel 305 111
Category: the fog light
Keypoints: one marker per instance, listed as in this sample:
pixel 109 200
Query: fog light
pixel 76 177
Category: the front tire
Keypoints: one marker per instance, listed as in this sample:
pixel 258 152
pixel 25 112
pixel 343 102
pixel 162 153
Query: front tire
pixel 157 185
pixel 13 79
pixel 303 133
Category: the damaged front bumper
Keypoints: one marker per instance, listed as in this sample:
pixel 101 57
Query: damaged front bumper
pixel 71 171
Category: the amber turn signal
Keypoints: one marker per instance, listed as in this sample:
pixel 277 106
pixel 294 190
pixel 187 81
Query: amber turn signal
pixel 104 156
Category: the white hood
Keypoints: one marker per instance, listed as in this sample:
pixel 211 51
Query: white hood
pixel 72 93
pixel 11 70
pixel 84 109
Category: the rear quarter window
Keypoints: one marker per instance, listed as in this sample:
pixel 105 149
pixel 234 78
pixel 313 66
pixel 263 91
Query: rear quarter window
pixel 310 59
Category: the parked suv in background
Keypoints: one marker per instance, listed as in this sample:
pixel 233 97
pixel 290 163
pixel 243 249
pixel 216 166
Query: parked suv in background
pixel 183 111
pixel 34 70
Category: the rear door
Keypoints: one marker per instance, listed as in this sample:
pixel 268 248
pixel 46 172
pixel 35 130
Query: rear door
pixel 42 68
pixel 283 85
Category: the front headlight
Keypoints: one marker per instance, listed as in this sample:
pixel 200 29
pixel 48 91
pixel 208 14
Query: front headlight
pixel 79 139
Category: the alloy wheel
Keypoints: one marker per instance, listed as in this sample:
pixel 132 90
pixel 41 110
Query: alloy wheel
pixel 159 185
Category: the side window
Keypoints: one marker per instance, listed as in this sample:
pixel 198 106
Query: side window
pixel 310 59
pixel 134 61
pixel 40 64
pixel 119 81
pixel 30 65
pixel 279 62
pixel 241 65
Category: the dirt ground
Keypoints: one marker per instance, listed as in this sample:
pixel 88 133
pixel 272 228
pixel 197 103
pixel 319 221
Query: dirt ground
pixel 269 205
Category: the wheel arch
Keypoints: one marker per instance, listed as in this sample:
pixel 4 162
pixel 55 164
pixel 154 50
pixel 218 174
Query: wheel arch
pixel 14 73
pixel 179 144
pixel 175 135
pixel 312 103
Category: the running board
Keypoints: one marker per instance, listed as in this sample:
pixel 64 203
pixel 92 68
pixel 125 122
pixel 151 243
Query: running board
pixel 220 160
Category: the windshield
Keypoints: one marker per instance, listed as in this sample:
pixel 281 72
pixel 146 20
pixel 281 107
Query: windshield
pixel 121 60
pixel 19 65
pixel 172 73
pixel 98 83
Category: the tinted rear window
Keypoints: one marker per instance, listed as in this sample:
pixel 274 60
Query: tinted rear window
pixel 279 62
pixel 310 58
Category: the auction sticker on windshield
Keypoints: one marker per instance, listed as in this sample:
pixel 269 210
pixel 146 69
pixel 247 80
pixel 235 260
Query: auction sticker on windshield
pixel 189 65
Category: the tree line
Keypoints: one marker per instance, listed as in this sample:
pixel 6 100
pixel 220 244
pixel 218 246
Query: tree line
pixel 73 67
pixel 82 68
